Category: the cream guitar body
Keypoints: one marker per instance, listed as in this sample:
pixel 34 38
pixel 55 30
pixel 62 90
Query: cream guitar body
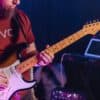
pixel 16 82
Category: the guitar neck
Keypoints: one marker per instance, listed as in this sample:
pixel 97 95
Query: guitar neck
pixel 27 64
pixel 65 42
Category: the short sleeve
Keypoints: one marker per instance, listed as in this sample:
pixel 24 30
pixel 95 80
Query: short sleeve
pixel 27 27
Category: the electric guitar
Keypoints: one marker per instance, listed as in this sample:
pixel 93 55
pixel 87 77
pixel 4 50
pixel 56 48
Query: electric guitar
pixel 16 82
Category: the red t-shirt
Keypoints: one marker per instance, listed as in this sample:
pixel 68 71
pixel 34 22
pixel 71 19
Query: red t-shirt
pixel 6 29
pixel 5 33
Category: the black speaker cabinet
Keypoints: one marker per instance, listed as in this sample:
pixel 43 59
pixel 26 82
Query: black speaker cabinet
pixel 83 74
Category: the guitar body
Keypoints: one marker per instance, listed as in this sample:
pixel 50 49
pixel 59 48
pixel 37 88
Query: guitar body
pixel 15 84
pixel 16 81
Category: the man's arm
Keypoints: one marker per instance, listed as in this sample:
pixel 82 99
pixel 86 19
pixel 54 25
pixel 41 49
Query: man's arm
pixel 44 58
pixel 31 49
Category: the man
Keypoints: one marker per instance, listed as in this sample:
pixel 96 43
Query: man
pixel 16 37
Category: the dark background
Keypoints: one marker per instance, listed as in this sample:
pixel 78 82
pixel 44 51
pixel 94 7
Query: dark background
pixel 53 20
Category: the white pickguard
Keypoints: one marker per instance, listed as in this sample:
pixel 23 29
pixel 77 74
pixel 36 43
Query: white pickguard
pixel 15 83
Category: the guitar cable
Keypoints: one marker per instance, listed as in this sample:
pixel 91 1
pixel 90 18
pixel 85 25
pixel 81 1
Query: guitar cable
pixel 62 72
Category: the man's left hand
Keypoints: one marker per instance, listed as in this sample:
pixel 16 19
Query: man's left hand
pixel 45 58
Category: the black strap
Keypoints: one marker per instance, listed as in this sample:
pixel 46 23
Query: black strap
pixel 20 23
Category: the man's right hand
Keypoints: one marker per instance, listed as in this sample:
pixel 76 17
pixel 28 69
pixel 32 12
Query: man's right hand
pixel 3 81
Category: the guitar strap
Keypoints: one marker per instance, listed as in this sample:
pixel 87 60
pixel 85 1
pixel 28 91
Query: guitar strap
pixel 20 23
